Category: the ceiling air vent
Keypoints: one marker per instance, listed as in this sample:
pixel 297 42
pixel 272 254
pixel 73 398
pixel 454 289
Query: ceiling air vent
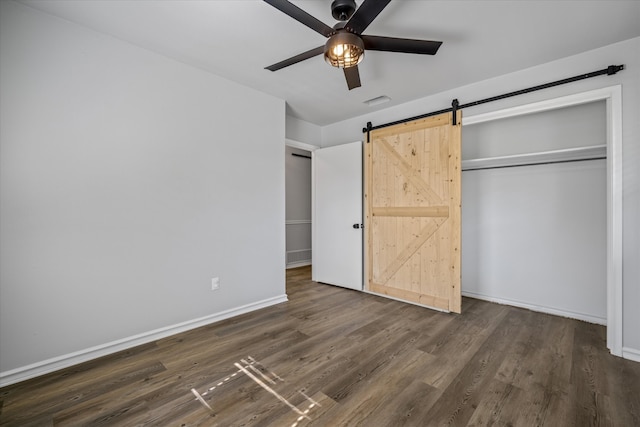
pixel 377 100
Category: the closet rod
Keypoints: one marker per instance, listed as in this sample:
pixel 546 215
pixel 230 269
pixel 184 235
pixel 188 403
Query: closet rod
pixel 455 106
pixel 300 155
pixel 550 162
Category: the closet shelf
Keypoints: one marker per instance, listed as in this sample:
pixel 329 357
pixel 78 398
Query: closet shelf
pixel 544 157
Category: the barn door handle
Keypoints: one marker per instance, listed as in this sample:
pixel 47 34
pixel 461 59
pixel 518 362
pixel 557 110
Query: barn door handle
pixel 358 226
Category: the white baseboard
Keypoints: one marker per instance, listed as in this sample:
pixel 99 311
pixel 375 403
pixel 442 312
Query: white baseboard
pixel 631 354
pixel 299 264
pixel 538 308
pixel 50 365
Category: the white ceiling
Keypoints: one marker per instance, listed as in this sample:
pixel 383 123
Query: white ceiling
pixel 236 39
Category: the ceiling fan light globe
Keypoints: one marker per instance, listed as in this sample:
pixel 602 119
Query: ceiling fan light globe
pixel 344 50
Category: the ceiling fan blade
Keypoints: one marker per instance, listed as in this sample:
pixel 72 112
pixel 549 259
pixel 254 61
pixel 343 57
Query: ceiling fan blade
pixel 365 14
pixel 353 77
pixel 392 44
pixel 295 59
pixel 301 16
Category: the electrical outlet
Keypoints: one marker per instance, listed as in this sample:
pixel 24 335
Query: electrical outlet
pixel 215 283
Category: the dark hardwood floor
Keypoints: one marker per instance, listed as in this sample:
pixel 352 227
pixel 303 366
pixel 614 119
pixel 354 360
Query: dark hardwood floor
pixel 335 357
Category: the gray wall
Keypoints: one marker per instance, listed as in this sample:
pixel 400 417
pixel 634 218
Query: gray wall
pixel 128 181
pixel 628 53
pixel 302 131
pixel 536 236
pixel 572 127
pixel 298 206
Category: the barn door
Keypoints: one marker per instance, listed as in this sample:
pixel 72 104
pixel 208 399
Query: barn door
pixel 412 212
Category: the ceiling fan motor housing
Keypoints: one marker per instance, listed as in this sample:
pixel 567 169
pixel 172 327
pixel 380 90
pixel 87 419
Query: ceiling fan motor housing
pixel 343 9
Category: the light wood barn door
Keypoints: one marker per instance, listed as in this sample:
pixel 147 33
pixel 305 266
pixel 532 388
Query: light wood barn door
pixel 412 212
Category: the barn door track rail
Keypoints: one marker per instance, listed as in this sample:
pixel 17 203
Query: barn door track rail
pixel 455 105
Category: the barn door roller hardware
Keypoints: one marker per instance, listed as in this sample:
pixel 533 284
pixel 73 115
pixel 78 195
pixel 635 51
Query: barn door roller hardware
pixel 454 109
pixel 455 106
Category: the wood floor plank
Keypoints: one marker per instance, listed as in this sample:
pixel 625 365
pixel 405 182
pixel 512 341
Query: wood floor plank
pixel 48 399
pixel 395 388
pixel 460 399
pixel 495 406
pixel 390 345
pixel 336 357
pixel 462 337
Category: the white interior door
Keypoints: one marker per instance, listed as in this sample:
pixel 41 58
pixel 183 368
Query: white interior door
pixel 337 207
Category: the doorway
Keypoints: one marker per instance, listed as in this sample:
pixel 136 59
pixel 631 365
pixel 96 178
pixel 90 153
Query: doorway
pixel 298 216
pixel 612 96
pixel 534 217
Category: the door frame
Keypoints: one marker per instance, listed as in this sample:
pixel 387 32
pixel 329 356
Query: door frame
pixel 312 148
pixel 613 97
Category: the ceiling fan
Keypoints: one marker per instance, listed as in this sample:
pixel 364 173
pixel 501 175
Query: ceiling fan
pixel 346 45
